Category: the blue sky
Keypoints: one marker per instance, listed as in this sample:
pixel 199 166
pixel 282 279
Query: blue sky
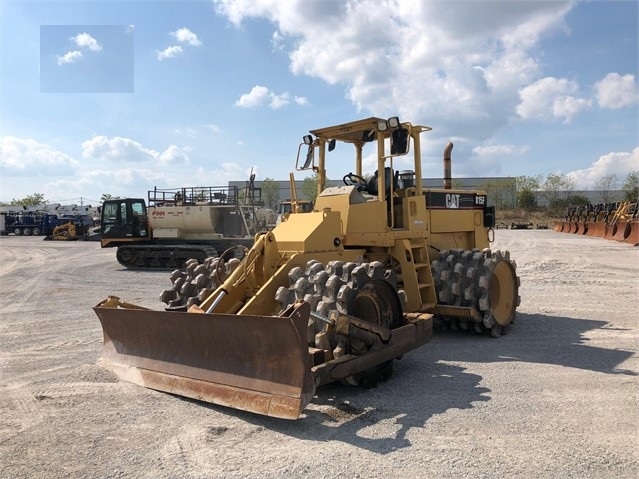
pixel 119 97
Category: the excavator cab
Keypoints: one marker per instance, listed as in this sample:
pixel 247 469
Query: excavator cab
pixel 124 221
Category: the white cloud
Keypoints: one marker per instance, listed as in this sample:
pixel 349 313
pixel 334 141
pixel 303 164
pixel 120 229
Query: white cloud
pixel 278 101
pixel 125 150
pixel 488 160
pixel 173 155
pixel 26 156
pixel 69 57
pixel 184 35
pixel 116 149
pixel 616 91
pixel 169 52
pixel 84 40
pixel 197 130
pixel 262 96
pixel 620 163
pixel 465 61
pixel 118 182
pixel 258 96
pixel 551 98
pixel 187 131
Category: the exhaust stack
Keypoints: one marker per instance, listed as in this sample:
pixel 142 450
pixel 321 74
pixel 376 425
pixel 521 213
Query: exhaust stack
pixel 447 166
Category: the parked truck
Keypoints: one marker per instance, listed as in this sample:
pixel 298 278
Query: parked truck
pixel 42 219
pixel 28 224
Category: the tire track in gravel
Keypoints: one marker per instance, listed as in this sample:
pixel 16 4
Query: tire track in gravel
pixel 47 336
pixel 22 412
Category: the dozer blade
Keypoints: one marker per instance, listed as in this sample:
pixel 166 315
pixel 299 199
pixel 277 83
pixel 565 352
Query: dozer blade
pixel 633 235
pixel 622 231
pixel 597 229
pixel 582 227
pixel 254 363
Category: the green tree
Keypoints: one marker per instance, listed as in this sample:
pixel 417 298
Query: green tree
pixel 605 186
pixel 270 193
pixel 526 199
pixel 107 196
pixel 531 183
pixel 34 199
pixel 578 200
pixel 631 186
pixel 557 188
pixel 501 193
pixel 309 186
pixel 526 188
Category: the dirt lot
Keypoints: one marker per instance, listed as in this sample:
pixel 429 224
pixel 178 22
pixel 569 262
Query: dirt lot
pixel 557 397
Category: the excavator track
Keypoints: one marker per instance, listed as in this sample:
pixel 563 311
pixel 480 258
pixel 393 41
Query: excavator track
pixel 485 281
pixel 161 257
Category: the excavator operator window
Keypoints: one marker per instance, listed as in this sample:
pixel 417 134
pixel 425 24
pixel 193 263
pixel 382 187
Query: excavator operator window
pixel 138 208
pixel 137 219
pixel 112 217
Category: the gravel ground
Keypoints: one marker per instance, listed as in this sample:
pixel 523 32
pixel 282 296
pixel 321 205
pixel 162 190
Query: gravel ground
pixel 557 397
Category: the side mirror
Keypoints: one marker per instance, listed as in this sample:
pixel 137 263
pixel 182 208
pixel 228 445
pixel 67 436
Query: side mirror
pixel 309 158
pixel 399 142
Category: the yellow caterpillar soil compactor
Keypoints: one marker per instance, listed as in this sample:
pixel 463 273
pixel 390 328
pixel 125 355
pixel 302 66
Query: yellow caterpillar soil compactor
pixel 332 295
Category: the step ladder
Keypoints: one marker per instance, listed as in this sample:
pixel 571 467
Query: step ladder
pixel 416 273
pixel 248 218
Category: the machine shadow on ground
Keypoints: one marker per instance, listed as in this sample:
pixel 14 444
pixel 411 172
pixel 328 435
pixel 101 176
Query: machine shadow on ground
pixel 424 385
pixel 535 338
pixel 351 414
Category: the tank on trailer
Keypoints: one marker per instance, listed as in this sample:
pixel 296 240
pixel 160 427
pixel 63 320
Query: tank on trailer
pixel 177 224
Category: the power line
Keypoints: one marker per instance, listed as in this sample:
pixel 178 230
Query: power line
pixel 82 200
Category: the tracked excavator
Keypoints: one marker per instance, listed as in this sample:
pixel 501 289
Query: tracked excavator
pixel 178 224
pixel 337 294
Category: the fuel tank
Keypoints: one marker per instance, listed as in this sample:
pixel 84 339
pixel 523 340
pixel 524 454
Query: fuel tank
pixel 196 221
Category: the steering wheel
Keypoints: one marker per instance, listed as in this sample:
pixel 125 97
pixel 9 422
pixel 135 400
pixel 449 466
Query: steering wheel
pixel 352 179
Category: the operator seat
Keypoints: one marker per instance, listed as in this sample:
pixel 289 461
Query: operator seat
pixel 389 177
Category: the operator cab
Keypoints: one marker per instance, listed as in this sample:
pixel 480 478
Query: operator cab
pixel 124 218
pixel 390 139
